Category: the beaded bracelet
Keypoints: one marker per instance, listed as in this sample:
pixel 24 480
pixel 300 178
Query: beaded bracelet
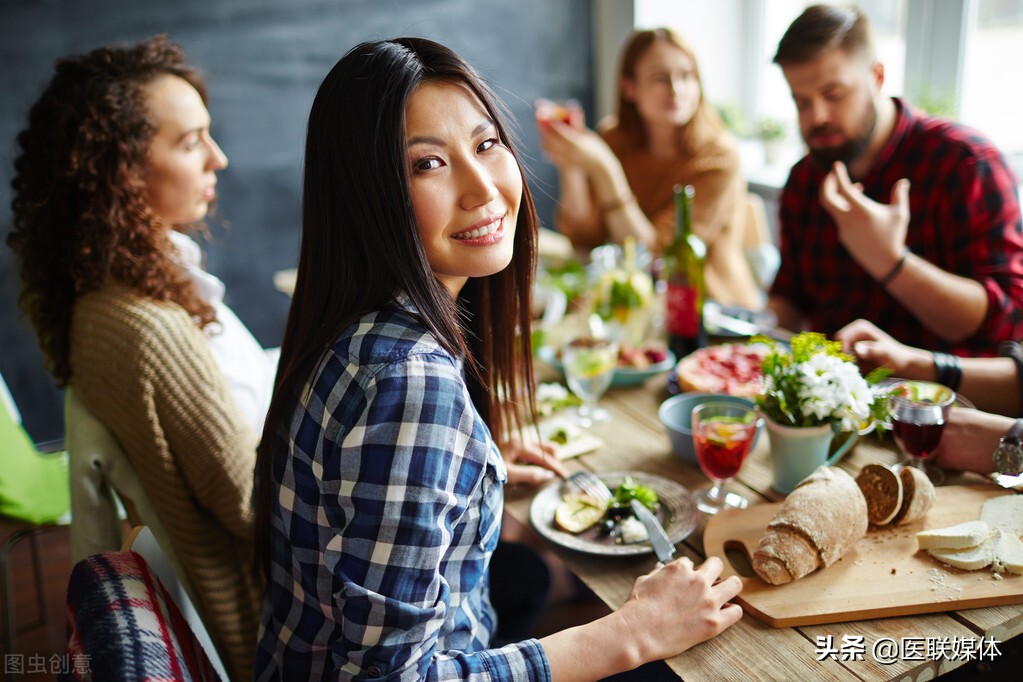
pixel 887 279
pixel 949 368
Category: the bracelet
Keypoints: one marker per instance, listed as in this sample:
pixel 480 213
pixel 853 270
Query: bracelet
pixel 887 279
pixel 950 370
pixel 1012 350
pixel 618 203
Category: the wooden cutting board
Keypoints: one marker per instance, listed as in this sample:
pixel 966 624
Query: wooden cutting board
pixel 883 575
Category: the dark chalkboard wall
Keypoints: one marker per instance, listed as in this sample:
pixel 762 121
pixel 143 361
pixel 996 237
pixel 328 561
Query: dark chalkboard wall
pixel 264 60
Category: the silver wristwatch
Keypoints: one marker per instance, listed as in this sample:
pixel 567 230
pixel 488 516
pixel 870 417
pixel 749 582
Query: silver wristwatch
pixel 1008 456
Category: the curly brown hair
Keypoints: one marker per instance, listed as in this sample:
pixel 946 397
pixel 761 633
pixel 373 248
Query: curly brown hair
pixel 81 213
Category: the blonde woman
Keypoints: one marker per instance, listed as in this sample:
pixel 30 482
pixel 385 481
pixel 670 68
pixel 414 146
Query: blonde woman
pixel 618 181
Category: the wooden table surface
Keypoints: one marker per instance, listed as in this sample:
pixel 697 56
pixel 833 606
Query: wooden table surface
pixel 635 440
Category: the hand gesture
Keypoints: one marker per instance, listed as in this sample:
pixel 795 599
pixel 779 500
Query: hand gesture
pixel 873 233
pixel 530 462
pixel 569 146
pixel 874 348
pixel 677 606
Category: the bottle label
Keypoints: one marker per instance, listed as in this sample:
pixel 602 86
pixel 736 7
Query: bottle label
pixel 683 317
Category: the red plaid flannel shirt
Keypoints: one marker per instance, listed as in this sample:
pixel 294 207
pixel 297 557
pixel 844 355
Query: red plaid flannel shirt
pixel 964 218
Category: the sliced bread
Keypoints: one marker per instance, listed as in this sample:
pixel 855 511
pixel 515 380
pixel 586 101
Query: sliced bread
pixel 882 489
pixel 1005 512
pixel 962 536
pixel 917 495
pixel 971 558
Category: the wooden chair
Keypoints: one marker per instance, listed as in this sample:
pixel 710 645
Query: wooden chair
pixel 34 494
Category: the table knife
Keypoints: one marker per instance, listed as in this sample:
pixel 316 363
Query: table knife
pixel 663 547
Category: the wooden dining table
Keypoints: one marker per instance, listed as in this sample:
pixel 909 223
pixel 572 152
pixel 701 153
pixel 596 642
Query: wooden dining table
pixel 635 440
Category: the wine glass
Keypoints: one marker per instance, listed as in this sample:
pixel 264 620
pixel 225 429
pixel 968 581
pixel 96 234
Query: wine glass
pixel 589 364
pixel 723 435
pixel 918 411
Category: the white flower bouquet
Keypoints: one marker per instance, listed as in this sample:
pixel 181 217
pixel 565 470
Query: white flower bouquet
pixel 816 383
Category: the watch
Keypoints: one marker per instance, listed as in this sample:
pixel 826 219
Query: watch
pixel 1008 456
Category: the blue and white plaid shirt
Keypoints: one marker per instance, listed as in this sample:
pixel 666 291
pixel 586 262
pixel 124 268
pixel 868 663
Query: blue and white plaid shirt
pixel 388 507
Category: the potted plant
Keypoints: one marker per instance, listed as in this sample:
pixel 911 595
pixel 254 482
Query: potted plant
pixel 813 395
pixel 771 133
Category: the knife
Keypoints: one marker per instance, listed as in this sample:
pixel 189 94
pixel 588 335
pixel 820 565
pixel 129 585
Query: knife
pixel 663 547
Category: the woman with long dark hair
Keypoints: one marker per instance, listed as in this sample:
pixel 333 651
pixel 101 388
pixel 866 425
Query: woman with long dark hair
pixel 116 164
pixel 617 182
pixel 405 358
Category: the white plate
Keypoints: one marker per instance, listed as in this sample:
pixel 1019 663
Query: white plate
pixel 678 514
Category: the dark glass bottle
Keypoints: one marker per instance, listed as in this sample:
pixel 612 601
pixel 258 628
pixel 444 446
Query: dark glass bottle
pixel 683 271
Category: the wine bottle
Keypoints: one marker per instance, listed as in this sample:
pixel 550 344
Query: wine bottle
pixel 683 271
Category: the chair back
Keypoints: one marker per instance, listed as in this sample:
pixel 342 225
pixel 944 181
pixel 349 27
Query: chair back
pixel 125 625
pixel 33 484
pixel 762 254
pixel 101 477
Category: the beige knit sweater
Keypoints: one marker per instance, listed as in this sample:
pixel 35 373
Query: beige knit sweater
pixel 718 210
pixel 145 370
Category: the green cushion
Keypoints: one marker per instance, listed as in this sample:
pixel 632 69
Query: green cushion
pixel 33 485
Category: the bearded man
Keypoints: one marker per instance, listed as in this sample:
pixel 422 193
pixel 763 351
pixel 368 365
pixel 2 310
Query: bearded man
pixel 910 221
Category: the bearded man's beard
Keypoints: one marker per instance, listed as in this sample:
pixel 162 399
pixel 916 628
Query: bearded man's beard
pixel 848 151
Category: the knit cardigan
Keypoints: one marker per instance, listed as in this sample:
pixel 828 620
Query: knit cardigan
pixel 718 209
pixel 146 371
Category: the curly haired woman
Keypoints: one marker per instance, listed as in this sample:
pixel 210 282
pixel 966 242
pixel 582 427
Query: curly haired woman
pixel 117 158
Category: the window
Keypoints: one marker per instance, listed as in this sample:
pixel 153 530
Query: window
pixel 954 58
pixel 992 96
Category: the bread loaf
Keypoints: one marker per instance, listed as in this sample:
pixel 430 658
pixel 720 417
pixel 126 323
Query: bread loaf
pixel 821 520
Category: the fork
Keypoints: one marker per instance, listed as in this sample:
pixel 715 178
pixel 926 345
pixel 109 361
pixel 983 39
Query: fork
pixel 590 484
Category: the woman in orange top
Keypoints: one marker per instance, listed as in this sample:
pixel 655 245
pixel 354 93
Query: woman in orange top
pixel 619 182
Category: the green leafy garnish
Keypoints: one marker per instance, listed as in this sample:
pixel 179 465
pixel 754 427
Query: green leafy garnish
pixel 630 490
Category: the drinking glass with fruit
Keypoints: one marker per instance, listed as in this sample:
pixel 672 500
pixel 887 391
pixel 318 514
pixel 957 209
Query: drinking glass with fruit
pixel 723 435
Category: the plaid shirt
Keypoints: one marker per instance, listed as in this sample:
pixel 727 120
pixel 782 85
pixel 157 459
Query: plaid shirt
pixel 964 218
pixel 388 507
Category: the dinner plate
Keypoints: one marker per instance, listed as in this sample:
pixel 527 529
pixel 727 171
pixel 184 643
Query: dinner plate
pixel 677 513
pixel 624 376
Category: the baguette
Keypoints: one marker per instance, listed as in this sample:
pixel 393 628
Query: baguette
pixel 821 520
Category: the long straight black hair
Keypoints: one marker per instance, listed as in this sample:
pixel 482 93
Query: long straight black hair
pixel 361 247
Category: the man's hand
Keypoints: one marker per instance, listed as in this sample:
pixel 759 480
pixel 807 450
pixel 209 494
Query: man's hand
pixel 873 233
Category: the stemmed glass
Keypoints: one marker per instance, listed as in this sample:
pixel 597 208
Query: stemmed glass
pixel 918 412
pixel 723 435
pixel 589 364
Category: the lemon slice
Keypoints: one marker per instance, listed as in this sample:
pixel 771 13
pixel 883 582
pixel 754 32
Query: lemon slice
pixel 578 511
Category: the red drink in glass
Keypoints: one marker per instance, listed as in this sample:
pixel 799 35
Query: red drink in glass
pixel 721 448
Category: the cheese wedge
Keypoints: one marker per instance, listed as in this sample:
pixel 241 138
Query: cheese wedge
pixel 1005 512
pixel 963 536
pixel 1009 554
pixel 971 558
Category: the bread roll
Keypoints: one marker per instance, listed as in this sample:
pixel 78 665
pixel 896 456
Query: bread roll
pixel 821 520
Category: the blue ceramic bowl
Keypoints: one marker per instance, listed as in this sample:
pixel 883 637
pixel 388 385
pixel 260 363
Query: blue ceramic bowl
pixel 676 415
